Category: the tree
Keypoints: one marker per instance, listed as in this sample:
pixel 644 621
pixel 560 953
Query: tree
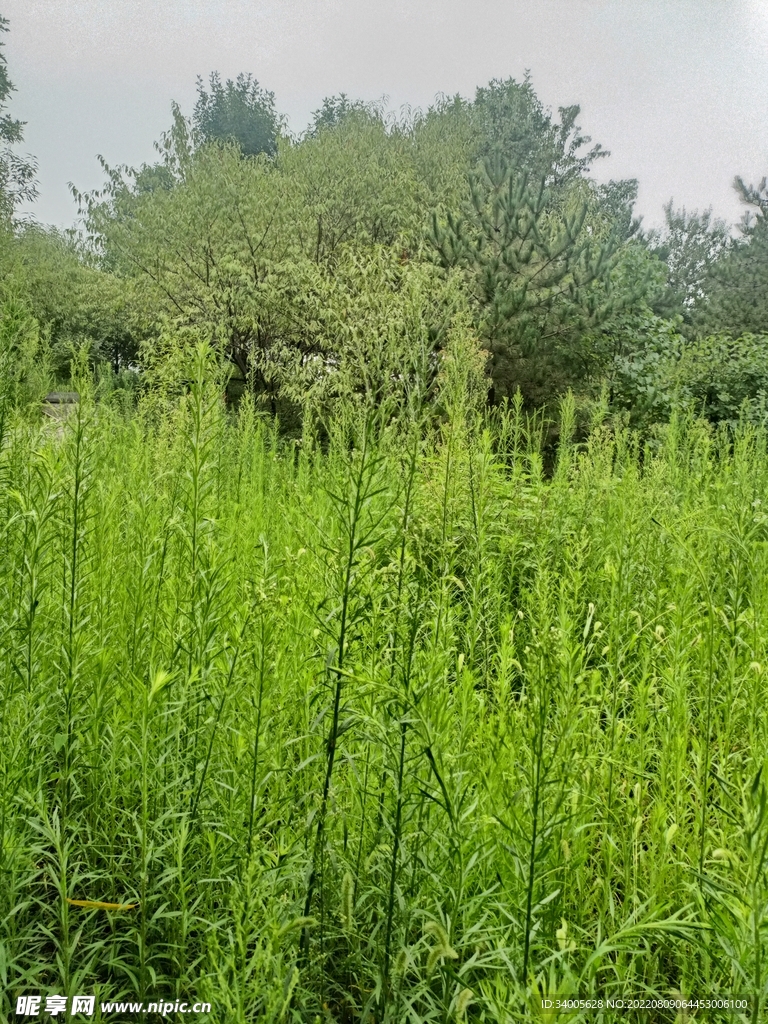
pixel 228 251
pixel 17 173
pixel 542 271
pixel 23 366
pixel 690 245
pixel 334 110
pixel 239 112
pixel 736 293
pixel 616 200
pixel 75 303
pixel 514 125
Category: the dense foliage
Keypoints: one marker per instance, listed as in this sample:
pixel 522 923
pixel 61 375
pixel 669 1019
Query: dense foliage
pixel 494 192
pixel 394 730
pixel 239 112
pixel 333 264
pixel 336 682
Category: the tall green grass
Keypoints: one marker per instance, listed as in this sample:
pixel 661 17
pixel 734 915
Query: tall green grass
pixel 396 728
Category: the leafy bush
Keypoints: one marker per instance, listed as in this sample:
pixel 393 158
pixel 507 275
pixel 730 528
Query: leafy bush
pixel 720 378
pixel 725 378
pixel 640 377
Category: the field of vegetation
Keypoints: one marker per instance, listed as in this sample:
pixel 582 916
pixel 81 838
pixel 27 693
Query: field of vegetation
pixel 384 632
pixel 390 725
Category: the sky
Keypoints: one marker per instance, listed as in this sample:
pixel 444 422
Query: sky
pixel 677 90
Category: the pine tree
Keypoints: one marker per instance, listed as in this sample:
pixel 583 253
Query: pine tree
pixel 737 284
pixel 513 125
pixel 540 271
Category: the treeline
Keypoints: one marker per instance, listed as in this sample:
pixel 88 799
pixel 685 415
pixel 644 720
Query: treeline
pixel 345 262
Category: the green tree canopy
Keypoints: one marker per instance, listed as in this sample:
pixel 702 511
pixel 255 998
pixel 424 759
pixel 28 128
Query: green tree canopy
pixel 334 110
pixel 243 250
pixel 514 125
pixel 736 284
pixel 543 270
pixel 690 245
pixel 238 111
pixel 78 303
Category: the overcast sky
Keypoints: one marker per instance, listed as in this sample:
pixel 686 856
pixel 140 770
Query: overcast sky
pixel 676 89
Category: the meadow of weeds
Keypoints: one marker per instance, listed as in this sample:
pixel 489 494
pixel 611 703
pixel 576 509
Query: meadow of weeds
pixel 395 727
